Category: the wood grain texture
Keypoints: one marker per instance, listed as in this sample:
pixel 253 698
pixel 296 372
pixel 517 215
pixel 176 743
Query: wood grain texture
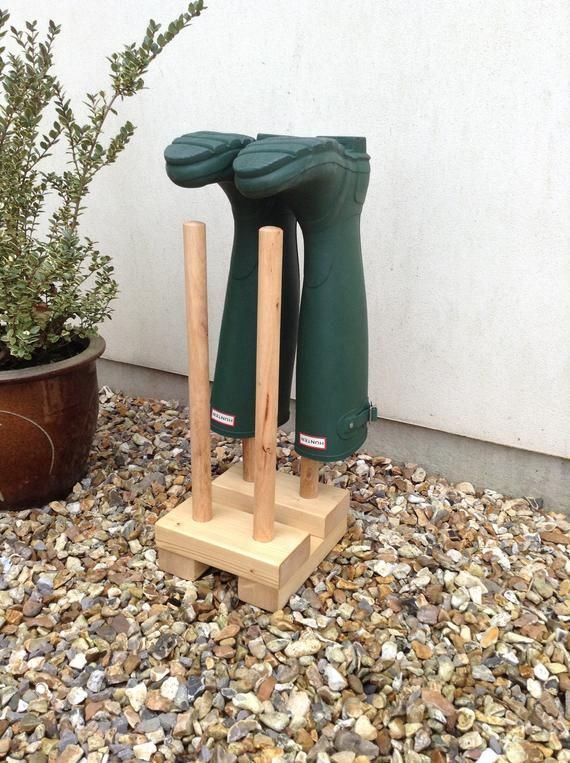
pixel 248 449
pixel 318 516
pixel 181 566
pixel 226 542
pixel 270 598
pixel 198 367
pixel 267 379
pixel 309 483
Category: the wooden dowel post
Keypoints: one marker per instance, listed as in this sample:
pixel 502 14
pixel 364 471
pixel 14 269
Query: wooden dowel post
pixel 309 478
pixel 198 367
pixel 248 449
pixel 267 379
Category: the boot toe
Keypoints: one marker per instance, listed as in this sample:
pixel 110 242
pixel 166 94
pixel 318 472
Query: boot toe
pixel 199 158
pixel 269 154
pixel 274 164
pixel 180 152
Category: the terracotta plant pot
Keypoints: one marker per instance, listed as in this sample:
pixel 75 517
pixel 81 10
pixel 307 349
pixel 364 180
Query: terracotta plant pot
pixel 48 416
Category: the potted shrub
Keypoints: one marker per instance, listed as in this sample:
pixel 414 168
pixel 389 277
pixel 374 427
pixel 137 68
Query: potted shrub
pixel 55 286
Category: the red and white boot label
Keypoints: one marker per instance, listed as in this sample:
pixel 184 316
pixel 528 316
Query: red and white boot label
pixel 223 418
pixel 309 441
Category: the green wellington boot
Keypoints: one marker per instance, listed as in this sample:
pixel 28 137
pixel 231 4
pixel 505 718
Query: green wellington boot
pixel 196 160
pixel 324 182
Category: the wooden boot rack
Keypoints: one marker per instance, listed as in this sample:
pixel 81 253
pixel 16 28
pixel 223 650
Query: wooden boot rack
pixel 271 532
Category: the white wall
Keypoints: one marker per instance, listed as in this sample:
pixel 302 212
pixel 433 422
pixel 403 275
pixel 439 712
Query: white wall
pixel 466 227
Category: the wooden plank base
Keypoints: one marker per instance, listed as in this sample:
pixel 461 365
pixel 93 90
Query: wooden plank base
pixel 266 597
pixel 318 516
pixel 181 566
pixel 268 573
pixel 226 542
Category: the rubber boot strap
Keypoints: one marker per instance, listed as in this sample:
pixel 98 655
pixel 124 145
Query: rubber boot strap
pixel 353 420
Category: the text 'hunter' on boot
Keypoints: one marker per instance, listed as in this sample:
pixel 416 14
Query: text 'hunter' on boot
pixel 324 182
pixel 201 158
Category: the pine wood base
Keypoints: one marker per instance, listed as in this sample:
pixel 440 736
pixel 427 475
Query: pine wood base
pixel 181 566
pixel 268 573
pixel 265 597
pixel 318 516
pixel 226 542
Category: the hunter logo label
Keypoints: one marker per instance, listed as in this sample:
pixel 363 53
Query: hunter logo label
pixel 318 443
pixel 223 418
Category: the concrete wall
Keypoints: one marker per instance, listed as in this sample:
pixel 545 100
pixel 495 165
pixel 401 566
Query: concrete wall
pixel 466 227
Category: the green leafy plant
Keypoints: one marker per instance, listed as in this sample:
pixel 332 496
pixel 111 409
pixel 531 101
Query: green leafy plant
pixel 55 286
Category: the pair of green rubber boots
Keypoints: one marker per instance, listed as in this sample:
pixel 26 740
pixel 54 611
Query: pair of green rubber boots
pixel 320 183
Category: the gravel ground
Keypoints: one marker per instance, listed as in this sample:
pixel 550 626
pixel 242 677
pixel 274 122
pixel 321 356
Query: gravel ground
pixel 436 630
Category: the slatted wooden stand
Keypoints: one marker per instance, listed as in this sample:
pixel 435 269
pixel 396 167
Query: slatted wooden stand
pixel 268 528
